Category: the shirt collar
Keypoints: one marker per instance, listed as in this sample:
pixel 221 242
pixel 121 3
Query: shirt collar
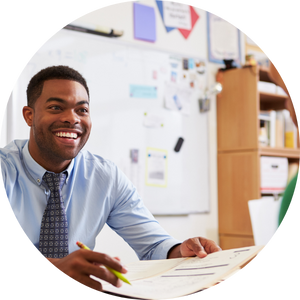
pixel 36 171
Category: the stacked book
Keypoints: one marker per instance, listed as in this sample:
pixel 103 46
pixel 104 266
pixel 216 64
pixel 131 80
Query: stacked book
pixel 277 129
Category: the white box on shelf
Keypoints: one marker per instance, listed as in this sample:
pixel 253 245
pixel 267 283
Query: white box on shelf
pixel 266 87
pixel 274 174
pixel 280 91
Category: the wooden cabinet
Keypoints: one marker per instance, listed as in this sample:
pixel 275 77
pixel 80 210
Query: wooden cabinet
pixel 238 107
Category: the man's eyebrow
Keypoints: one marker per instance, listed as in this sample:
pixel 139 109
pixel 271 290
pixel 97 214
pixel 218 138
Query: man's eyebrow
pixel 82 102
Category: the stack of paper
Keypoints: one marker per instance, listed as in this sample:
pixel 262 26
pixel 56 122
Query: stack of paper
pixel 170 278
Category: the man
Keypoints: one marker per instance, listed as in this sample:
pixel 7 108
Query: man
pixel 61 194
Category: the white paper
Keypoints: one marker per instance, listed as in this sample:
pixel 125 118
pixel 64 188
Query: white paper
pixel 187 276
pixel 153 120
pixel 177 98
pixel 184 96
pixel 156 167
pixel 171 97
pixel 224 39
pixel 177 15
pixel 264 215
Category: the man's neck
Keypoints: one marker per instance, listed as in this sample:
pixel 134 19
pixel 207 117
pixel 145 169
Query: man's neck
pixel 52 164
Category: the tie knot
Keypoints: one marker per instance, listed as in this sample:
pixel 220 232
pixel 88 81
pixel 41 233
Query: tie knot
pixel 54 180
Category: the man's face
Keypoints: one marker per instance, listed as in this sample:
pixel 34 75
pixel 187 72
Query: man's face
pixel 60 122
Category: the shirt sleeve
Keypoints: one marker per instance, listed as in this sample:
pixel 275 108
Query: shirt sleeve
pixel 135 224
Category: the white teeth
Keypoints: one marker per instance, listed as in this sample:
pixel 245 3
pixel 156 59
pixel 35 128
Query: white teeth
pixel 67 134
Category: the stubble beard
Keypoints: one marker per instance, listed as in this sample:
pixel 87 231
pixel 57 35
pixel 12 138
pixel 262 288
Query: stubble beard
pixel 50 151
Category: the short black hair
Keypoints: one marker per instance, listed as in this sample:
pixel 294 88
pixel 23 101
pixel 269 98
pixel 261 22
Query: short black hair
pixel 35 86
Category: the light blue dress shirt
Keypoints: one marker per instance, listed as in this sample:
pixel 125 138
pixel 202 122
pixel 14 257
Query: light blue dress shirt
pixel 96 192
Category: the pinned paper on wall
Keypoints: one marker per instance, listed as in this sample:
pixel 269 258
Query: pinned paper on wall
pixel 156 167
pixel 177 98
pixel 175 68
pixel 178 16
pixel 223 40
pixel 144 22
pixel 153 120
pixel 191 63
pixel 142 91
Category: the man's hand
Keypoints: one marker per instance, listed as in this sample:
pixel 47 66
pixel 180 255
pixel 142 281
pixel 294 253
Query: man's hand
pixel 197 246
pixel 82 263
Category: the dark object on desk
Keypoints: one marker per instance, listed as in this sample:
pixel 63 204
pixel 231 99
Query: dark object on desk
pixel 179 144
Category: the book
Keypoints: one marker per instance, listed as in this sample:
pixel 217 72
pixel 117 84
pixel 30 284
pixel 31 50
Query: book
pixel 280 134
pixel 277 129
pixel 172 278
pixel 290 131
pixel 267 133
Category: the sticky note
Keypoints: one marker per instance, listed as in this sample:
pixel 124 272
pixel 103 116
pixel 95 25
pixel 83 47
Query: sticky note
pixel 191 63
pixel 143 91
pixel 144 22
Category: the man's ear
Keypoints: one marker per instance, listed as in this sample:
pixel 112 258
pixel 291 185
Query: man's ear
pixel 28 113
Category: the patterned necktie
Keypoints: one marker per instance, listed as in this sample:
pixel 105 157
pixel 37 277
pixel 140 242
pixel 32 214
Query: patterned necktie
pixel 54 225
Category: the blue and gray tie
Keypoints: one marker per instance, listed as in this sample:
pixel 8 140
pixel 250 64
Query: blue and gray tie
pixel 54 226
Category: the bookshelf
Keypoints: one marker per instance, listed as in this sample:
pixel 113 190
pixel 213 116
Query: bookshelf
pixel 239 150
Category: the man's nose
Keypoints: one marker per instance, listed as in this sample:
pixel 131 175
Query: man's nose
pixel 70 116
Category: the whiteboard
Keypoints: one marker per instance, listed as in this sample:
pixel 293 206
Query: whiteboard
pixel 110 66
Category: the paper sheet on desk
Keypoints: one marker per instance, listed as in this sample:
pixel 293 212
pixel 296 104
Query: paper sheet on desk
pixel 187 275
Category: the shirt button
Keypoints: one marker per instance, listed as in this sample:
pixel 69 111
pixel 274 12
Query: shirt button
pixel 38 180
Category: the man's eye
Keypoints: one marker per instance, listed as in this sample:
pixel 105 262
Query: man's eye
pixel 55 107
pixel 83 110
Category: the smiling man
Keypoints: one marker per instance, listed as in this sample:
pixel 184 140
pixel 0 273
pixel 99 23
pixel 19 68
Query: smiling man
pixel 60 123
pixel 61 193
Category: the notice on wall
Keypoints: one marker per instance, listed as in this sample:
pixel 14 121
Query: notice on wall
pixel 177 98
pixel 156 167
pixel 177 15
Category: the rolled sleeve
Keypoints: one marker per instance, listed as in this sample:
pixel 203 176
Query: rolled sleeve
pixel 161 250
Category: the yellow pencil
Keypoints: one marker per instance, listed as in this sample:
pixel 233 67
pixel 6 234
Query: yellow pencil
pixel 118 274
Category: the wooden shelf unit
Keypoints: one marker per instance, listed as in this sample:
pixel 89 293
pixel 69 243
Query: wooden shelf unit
pixel 239 152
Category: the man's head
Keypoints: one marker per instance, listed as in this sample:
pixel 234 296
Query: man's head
pixel 35 86
pixel 59 117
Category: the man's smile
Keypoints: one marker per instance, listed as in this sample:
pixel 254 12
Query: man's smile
pixel 62 134
pixel 67 137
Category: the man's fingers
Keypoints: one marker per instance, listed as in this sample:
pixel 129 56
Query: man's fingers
pixel 82 264
pixel 209 245
pixel 102 273
pixel 104 259
pixel 96 263
pixel 197 247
